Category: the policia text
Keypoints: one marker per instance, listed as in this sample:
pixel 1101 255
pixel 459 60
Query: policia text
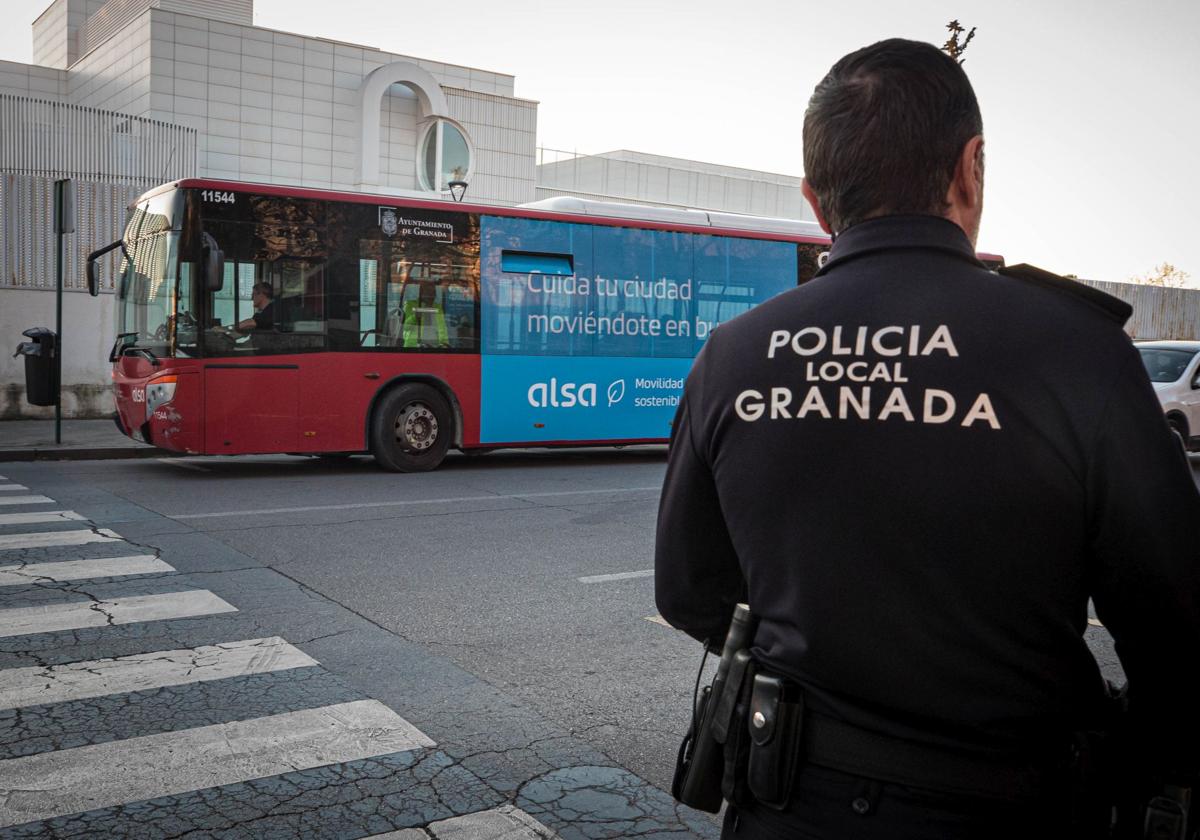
pixel 933 406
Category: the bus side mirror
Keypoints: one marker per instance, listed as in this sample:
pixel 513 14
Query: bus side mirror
pixel 93 270
pixel 214 265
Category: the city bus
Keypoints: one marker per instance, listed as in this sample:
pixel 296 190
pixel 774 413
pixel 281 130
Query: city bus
pixel 268 319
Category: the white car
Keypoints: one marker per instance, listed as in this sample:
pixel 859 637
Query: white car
pixel 1172 366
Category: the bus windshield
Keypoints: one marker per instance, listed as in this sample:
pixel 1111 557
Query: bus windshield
pixel 154 291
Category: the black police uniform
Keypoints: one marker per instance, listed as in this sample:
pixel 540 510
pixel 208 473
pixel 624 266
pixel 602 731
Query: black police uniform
pixel 917 471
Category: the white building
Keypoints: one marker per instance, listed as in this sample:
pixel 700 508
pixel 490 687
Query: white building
pixel 637 177
pixel 127 94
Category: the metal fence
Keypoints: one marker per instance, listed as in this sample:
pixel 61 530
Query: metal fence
pixel 1157 312
pixel 111 157
pixel 61 140
pixel 27 240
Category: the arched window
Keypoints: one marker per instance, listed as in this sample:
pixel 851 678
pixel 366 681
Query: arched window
pixel 445 155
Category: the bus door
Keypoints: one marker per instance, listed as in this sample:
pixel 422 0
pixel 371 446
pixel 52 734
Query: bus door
pixel 251 396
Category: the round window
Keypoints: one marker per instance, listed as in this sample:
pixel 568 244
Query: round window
pixel 445 156
pixel 456 155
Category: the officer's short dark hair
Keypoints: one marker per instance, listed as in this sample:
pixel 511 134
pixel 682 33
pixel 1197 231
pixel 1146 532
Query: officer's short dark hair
pixel 884 129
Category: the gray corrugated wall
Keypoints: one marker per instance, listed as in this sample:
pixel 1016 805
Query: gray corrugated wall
pixel 111 157
pixel 61 140
pixel 1158 312
pixel 27 242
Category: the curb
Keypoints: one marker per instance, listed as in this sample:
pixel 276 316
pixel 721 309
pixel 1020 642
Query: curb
pixel 99 453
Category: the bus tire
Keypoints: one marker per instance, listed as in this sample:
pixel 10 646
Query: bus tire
pixel 412 429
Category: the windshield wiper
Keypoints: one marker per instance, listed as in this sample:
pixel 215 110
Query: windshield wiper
pixel 119 345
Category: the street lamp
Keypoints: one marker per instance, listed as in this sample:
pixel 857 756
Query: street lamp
pixel 457 189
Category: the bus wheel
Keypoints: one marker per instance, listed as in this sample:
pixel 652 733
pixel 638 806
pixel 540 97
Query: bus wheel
pixel 412 429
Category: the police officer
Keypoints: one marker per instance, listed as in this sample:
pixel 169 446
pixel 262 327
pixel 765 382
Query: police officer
pixel 917 472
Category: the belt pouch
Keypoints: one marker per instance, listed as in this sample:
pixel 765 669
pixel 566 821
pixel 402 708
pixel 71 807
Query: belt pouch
pixel 774 726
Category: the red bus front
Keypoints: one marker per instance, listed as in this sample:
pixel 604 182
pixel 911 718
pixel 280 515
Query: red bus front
pixel 243 324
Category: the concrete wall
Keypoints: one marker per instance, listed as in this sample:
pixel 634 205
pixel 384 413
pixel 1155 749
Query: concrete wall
pixel 55 33
pixel 115 75
pixel 30 80
pixel 272 107
pixel 89 325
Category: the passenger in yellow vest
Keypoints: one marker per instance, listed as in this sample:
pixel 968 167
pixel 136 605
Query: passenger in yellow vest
pixel 424 321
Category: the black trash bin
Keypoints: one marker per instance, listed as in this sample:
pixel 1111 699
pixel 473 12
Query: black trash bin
pixel 41 365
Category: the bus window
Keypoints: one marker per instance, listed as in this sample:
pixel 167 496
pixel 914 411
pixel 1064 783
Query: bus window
pixel 732 275
pixel 233 302
pixel 186 332
pixel 272 299
pixel 368 297
pixel 298 303
pixel 429 306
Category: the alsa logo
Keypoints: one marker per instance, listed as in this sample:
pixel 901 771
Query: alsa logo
pixel 567 395
pixel 139 395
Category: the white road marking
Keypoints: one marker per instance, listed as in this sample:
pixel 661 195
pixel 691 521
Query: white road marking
pixel 101 567
pixel 1095 622
pixel 175 462
pixel 658 619
pixel 7 487
pixel 50 784
pixel 53 538
pixel 616 576
pixel 504 823
pixel 79 680
pixel 25 500
pixel 40 517
pixel 51 618
pixel 449 500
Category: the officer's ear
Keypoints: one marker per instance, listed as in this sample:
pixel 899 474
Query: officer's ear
pixel 811 198
pixel 964 198
pixel 966 188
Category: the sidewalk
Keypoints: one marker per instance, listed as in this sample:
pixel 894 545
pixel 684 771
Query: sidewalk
pixel 33 440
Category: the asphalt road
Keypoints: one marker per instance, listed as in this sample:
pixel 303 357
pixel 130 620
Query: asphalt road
pixel 500 609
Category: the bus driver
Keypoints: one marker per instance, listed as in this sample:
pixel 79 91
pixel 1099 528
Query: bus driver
pixel 262 299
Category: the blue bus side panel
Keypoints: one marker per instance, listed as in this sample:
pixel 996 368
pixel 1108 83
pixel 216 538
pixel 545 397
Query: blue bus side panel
pixel 557 398
pixel 602 354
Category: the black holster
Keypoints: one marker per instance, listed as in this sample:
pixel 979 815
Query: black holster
pixel 711 752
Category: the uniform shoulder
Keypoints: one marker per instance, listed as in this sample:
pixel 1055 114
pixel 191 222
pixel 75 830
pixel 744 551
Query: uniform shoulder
pixel 1111 307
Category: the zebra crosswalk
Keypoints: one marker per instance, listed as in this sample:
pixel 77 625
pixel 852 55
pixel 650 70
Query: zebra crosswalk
pixel 52 618
pixel 39 517
pixel 61 571
pixel 143 671
pixel 91 746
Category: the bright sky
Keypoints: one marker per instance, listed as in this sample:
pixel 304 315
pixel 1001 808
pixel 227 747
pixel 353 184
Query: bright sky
pixel 1091 108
